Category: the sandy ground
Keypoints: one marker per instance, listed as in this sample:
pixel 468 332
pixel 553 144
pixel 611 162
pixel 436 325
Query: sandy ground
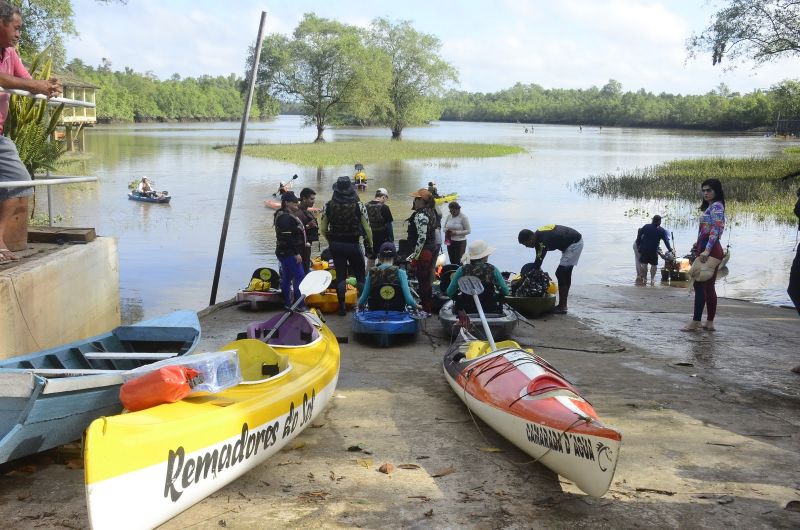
pixel 709 422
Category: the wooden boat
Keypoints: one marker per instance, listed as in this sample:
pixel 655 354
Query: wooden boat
pixel 525 399
pixel 263 289
pixel 450 197
pixel 48 398
pixel 501 323
pixel 532 306
pixel 382 325
pixel 143 468
pixel 160 198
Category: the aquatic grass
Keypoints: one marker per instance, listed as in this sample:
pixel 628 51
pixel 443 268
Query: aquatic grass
pixel 756 188
pixel 792 150
pixel 370 151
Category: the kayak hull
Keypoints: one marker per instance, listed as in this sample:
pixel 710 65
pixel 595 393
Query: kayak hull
pixel 382 325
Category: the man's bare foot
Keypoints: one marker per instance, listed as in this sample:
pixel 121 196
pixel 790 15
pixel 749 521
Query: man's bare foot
pixel 7 256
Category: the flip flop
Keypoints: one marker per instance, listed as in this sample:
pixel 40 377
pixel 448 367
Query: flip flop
pixel 6 256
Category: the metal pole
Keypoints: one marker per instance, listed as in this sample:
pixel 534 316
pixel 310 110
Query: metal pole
pixel 237 159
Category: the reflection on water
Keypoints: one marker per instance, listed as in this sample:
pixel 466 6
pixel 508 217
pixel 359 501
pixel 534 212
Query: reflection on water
pixel 167 252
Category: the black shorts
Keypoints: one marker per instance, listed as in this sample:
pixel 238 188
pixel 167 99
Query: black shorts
pixel 648 257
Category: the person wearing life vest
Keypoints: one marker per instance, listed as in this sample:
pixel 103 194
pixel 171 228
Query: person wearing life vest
pixel 556 237
pixel 380 221
pixel 433 190
pixel 307 198
pixel 422 228
pixel 384 274
pixel 290 245
pixel 476 264
pixel 344 221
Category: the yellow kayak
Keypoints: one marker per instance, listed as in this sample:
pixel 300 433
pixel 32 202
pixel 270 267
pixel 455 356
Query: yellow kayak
pixel 446 198
pixel 145 467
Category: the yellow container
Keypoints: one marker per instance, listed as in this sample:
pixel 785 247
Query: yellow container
pixel 328 302
pixel 552 288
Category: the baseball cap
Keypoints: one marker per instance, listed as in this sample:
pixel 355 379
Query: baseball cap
pixel 422 193
pixel 387 250
pixel 381 191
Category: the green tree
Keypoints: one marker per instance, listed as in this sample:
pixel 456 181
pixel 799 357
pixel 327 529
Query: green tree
pixel 761 30
pixel 418 74
pixel 324 67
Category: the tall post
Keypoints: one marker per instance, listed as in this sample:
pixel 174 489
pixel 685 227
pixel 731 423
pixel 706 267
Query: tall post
pixel 237 158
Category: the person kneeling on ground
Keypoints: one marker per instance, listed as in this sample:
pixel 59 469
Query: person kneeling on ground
pixel 476 264
pixel 386 273
pixel 647 240
pixel 556 237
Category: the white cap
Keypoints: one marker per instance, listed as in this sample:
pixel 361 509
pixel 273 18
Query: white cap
pixel 381 191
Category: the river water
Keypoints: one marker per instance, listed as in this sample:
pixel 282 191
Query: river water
pixel 167 253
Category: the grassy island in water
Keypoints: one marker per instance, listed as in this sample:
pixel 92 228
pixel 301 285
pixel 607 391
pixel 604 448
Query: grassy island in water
pixel 370 151
pixel 758 187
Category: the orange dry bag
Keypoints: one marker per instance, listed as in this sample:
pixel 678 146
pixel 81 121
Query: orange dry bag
pixel 165 385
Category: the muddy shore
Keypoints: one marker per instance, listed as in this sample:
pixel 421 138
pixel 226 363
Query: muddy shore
pixel 709 421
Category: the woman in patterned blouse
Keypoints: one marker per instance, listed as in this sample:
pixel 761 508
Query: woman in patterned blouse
pixel 712 223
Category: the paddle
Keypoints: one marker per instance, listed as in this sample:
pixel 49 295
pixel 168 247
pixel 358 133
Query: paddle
pixel 293 178
pixel 314 282
pixel 470 285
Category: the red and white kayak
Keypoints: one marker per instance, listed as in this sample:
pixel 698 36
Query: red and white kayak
pixel 534 407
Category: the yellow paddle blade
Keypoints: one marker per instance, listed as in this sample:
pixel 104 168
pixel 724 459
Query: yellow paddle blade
pixel 478 348
pixel 254 356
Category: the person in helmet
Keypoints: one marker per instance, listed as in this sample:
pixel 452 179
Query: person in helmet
pixel 380 221
pixel 385 273
pixel 344 221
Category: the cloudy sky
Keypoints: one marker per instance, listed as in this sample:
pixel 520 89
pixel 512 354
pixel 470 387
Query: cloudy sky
pixel 493 44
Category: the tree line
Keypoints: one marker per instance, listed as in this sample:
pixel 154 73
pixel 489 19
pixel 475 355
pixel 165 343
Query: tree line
pixel 719 109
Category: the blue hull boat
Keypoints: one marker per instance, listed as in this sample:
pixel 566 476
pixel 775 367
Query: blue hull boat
pixel 48 398
pixel 384 324
pixel 161 199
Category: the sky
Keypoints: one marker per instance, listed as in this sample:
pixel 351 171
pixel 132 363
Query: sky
pixel 493 44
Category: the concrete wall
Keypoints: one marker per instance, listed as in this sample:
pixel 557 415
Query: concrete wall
pixel 59 297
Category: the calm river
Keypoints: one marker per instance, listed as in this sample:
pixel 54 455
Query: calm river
pixel 167 253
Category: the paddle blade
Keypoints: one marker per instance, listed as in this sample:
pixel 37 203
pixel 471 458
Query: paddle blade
pixel 294 176
pixel 469 285
pixel 315 282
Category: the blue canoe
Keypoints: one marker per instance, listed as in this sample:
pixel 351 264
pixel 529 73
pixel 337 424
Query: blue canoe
pixel 384 324
pixel 48 398
pixel 164 198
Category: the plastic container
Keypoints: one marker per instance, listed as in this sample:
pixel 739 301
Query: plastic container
pixel 217 370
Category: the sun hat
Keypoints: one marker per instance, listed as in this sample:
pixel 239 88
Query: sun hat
pixel 382 192
pixel 478 249
pixel 387 250
pixel 342 184
pixel 422 193
pixel 289 196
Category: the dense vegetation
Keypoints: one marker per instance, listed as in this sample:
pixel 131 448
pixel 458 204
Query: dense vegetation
pixel 761 187
pixel 132 96
pixel 720 109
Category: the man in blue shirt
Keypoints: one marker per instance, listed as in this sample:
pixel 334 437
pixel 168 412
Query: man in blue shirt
pixel 647 240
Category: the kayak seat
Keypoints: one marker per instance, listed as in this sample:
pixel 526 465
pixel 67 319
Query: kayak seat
pixel 258 361
pixel 478 348
pixel 295 331
pixel 546 383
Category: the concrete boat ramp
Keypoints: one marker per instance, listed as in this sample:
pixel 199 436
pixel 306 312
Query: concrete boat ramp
pixel 709 421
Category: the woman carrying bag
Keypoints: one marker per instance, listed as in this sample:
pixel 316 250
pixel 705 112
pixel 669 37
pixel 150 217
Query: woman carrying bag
pixel 712 224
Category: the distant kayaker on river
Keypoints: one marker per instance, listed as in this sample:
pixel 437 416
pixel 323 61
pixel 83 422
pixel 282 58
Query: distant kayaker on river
pixel 556 237
pixel 647 240
pixel 145 187
pixel 290 246
pixel 13 74
pixel 433 190
pixel 712 224
pixel 344 221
